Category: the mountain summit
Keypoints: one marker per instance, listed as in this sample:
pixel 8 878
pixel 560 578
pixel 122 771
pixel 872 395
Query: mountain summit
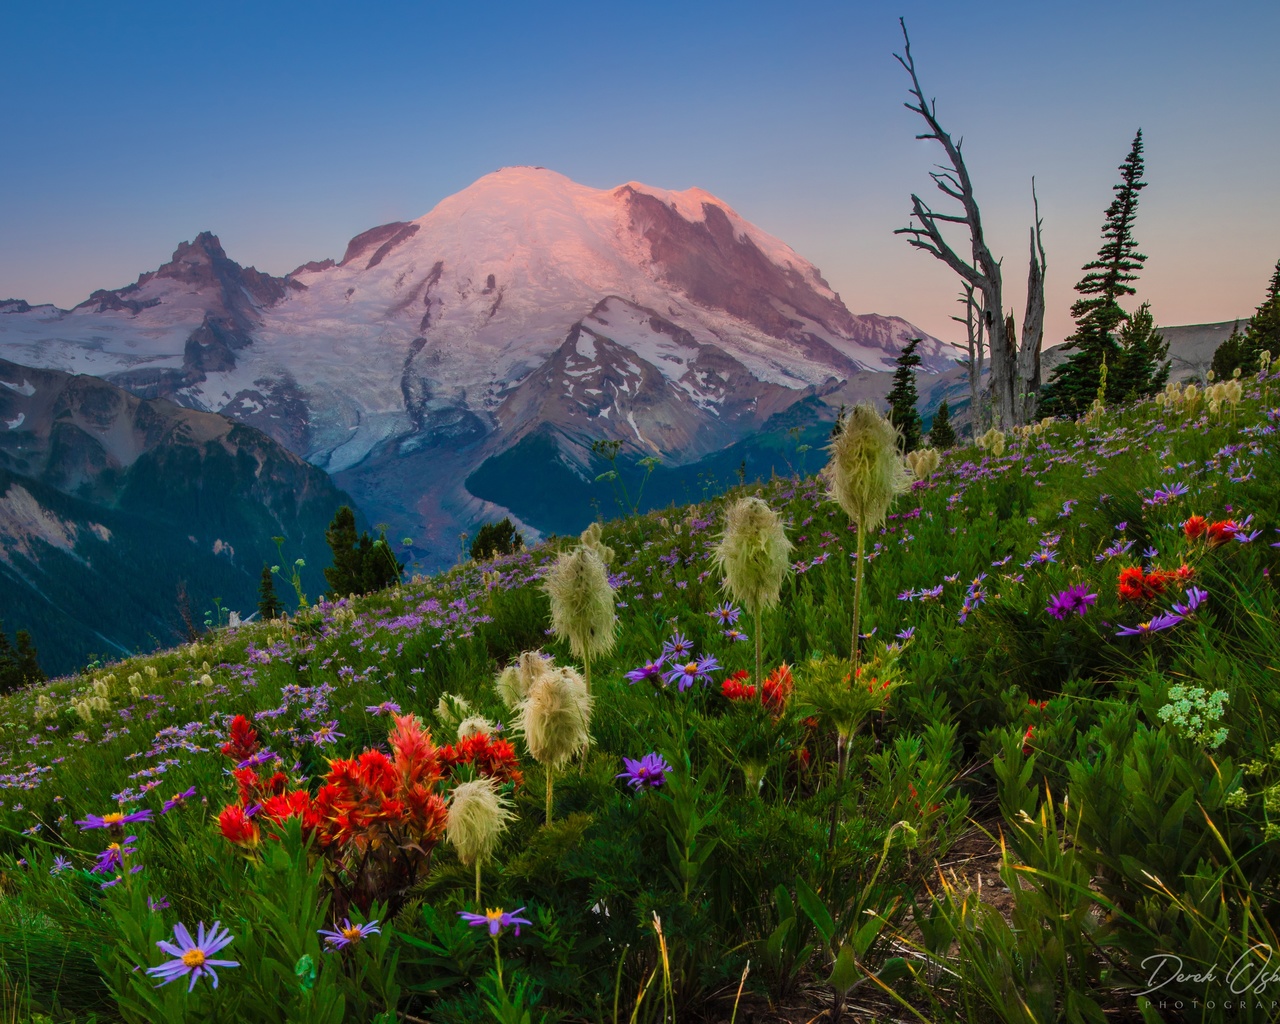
pixel 524 303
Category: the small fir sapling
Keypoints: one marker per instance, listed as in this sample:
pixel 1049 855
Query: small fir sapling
pixel 754 555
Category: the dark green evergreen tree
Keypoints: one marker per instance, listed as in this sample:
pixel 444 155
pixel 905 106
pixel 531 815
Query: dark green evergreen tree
pixel 28 661
pixel 1142 367
pixel 942 434
pixel 8 664
pixel 1073 385
pixel 1261 334
pixel 903 397
pixel 268 604
pixel 493 539
pixel 361 565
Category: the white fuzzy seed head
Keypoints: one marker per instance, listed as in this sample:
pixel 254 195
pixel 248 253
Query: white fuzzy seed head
pixel 582 602
pixel 474 724
pixel 478 815
pixel 555 717
pixel 753 553
pixel 866 471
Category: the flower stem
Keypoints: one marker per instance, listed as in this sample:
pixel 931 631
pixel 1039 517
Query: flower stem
pixel 549 783
pixel 759 679
pixel 857 605
pixel 477 882
pixel 586 670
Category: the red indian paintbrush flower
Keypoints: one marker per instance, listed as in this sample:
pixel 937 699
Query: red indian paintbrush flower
pixel 237 827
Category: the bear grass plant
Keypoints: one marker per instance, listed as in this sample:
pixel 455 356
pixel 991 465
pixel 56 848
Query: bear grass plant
pixel 1010 708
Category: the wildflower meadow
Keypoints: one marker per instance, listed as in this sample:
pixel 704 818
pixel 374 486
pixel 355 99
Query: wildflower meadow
pixel 982 737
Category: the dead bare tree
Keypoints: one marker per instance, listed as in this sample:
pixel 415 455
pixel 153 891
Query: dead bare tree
pixel 973 325
pixel 1032 323
pixel 981 272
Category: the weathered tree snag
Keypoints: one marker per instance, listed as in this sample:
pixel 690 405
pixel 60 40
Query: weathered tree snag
pixel 1032 323
pixel 973 324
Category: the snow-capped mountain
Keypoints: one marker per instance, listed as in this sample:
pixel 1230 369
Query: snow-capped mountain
pixel 660 319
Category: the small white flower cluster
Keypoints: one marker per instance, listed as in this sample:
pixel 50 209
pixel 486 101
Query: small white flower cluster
pixel 1194 712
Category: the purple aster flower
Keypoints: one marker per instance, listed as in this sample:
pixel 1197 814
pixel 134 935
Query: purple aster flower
pixel 726 613
pixel 1076 599
pixel 1247 538
pixel 192 957
pixel 931 593
pixel 1195 598
pixel 60 864
pixel 907 595
pixel 735 635
pixel 650 770
pixel 177 800
pixel 326 734
pixel 651 672
pixel 349 934
pixel 112 858
pixel 387 707
pixel 677 647
pixel 158 904
pixel 496 920
pixel 692 671
pixel 115 821
pixel 906 634
pixel 1164 495
pixel 1164 621
pixel 261 757
pixel 1042 557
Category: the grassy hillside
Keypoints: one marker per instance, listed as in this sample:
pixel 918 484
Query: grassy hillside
pixel 1009 685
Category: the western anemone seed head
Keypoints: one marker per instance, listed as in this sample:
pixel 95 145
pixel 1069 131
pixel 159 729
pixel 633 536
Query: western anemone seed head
pixel 474 724
pixel 923 461
pixel 513 682
pixel 753 553
pixel 478 815
pixel 866 472
pixel 590 538
pixel 452 709
pixel 582 602
pixel 992 441
pixel 555 717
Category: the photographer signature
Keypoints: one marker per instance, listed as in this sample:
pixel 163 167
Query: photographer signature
pixel 1251 972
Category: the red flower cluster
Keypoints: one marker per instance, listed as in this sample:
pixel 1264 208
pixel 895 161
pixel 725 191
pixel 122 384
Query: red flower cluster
pixel 1215 534
pixel 495 759
pixel 1135 585
pixel 243 743
pixel 773 692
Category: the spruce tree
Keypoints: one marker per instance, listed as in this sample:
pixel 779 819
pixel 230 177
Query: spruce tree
pixel 268 604
pixel 1261 334
pixel 942 434
pixel 502 538
pixel 343 576
pixel 1142 367
pixel 903 397
pixel 8 664
pixel 1074 384
pixel 28 661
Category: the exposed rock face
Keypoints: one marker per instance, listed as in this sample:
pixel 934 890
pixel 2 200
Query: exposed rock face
pixel 660 319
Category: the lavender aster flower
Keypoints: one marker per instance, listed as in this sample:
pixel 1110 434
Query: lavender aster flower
pixel 192 957
pixel 651 672
pixel 693 671
pixel 115 820
pixel 1195 598
pixel 1164 621
pixel 387 707
pixel 326 734
pixel 1075 599
pixel 650 770
pixel 677 647
pixel 496 920
pixel 60 864
pixel 112 858
pixel 349 934
pixel 735 635
pixel 177 800
pixel 726 613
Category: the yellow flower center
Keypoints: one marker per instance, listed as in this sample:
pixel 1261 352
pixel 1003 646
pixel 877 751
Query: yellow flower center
pixel 352 934
pixel 193 958
pixel 494 915
pixel 691 668
pixel 114 818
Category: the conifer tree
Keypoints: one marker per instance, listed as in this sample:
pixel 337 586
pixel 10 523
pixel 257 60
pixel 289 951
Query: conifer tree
pixel 1142 368
pixel 8 664
pixel 1097 313
pixel 1261 334
pixel 268 604
pixel 343 576
pixel 903 397
pixel 942 434
pixel 28 661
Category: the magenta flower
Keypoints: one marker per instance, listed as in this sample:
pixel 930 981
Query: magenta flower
pixel 116 820
pixel 693 671
pixel 651 672
pixel 349 934
pixel 650 770
pixel 1074 600
pixel 192 957
pixel 496 920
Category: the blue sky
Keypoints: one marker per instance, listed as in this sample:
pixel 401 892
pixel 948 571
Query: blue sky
pixel 288 128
